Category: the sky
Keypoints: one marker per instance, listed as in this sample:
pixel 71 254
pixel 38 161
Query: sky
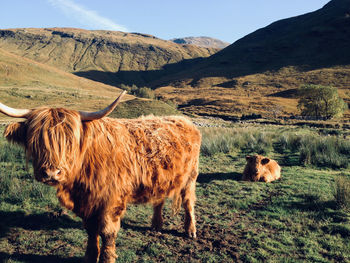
pixel 227 20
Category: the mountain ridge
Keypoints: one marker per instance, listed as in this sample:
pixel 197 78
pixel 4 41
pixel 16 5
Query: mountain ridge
pixel 82 50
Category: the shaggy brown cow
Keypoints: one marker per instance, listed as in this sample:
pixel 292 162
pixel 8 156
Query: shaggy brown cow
pixel 261 169
pixel 99 165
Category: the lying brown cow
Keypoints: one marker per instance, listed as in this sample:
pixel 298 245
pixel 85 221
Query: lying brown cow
pixel 99 165
pixel 261 169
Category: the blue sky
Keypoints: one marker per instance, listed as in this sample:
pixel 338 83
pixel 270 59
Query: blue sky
pixel 227 20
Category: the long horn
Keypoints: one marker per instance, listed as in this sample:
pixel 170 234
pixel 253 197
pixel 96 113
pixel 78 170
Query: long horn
pixel 89 116
pixel 17 113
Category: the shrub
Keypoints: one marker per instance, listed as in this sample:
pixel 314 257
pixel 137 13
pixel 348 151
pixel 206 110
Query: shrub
pixel 145 93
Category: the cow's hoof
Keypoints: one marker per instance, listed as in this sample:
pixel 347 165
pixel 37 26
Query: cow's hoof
pixel 192 235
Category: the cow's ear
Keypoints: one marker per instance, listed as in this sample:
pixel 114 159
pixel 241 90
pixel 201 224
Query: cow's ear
pixel 16 132
pixel 265 161
pixel 248 157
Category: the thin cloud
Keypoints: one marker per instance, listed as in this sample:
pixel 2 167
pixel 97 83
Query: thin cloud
pixel 86 17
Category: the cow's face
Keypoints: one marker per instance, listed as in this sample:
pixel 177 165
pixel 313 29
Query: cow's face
pixel 51 138
pixel 255 165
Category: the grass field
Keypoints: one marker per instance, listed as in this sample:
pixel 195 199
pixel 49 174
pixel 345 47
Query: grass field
pixel 296 219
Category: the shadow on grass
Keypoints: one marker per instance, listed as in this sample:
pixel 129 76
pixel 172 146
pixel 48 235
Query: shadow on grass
pixel 208 177
pixel 45 221
pixel 326 211
pixel 311 202
pixel 30 258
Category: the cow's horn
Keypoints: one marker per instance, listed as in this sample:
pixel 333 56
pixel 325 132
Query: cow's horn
pixel 17 113
pixel 89 116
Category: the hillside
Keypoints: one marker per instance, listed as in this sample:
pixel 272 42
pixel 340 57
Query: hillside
pixel 87 52
pixel 251 74
pixel 315 40
pixel 208 42
pixel 26 83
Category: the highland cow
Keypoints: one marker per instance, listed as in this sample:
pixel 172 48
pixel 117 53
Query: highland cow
pixel 261 169
pixel 99 165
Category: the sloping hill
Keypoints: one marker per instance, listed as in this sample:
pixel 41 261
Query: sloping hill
pixel 319 39
pixel 25 83
pixel 201 42
pixel 87 52
pixel 311 48
pixel 315 40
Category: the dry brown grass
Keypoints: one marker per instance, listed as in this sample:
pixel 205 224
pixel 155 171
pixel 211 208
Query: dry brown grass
pixel 257 93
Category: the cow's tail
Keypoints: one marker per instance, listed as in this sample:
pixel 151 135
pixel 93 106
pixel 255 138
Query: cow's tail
pixel 177 201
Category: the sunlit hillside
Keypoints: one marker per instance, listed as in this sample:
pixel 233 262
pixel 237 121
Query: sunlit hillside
pixel 87 52
pixel 25 83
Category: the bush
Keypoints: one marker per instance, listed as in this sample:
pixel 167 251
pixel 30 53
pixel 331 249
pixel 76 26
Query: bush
pixel 142 92
pixel 145 93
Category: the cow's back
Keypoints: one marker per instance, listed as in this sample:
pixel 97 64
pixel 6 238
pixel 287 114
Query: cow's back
pixel 153 158
pixel 273 171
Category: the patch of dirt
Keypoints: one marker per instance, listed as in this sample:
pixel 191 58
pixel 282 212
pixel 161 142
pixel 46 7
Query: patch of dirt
pixel 211 238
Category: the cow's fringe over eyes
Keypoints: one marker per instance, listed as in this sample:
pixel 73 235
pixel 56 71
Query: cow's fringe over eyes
pixel 58 132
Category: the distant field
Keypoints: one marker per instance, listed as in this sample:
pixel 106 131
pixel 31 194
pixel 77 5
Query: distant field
pixel 296 219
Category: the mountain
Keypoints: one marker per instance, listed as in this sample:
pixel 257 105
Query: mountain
pixel 315 40
pixel 253 72
pixel 201 42
pixel 87 53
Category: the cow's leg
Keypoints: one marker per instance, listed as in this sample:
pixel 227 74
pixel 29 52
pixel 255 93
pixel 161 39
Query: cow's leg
pixel 93 246
pixel 109 230
pixel 188 200
pixel 157 220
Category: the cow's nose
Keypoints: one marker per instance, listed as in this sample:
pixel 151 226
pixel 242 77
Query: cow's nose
pixel 52 174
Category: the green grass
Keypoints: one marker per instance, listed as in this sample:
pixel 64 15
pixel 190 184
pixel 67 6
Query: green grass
pixel 141 107
pixel 295 219
pixel 310 146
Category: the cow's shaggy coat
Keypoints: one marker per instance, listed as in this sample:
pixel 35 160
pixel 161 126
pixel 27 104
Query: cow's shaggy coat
pixel 100 166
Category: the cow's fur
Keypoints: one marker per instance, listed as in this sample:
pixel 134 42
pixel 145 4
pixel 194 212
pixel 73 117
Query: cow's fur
pixel 100 166
pixel 261 169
